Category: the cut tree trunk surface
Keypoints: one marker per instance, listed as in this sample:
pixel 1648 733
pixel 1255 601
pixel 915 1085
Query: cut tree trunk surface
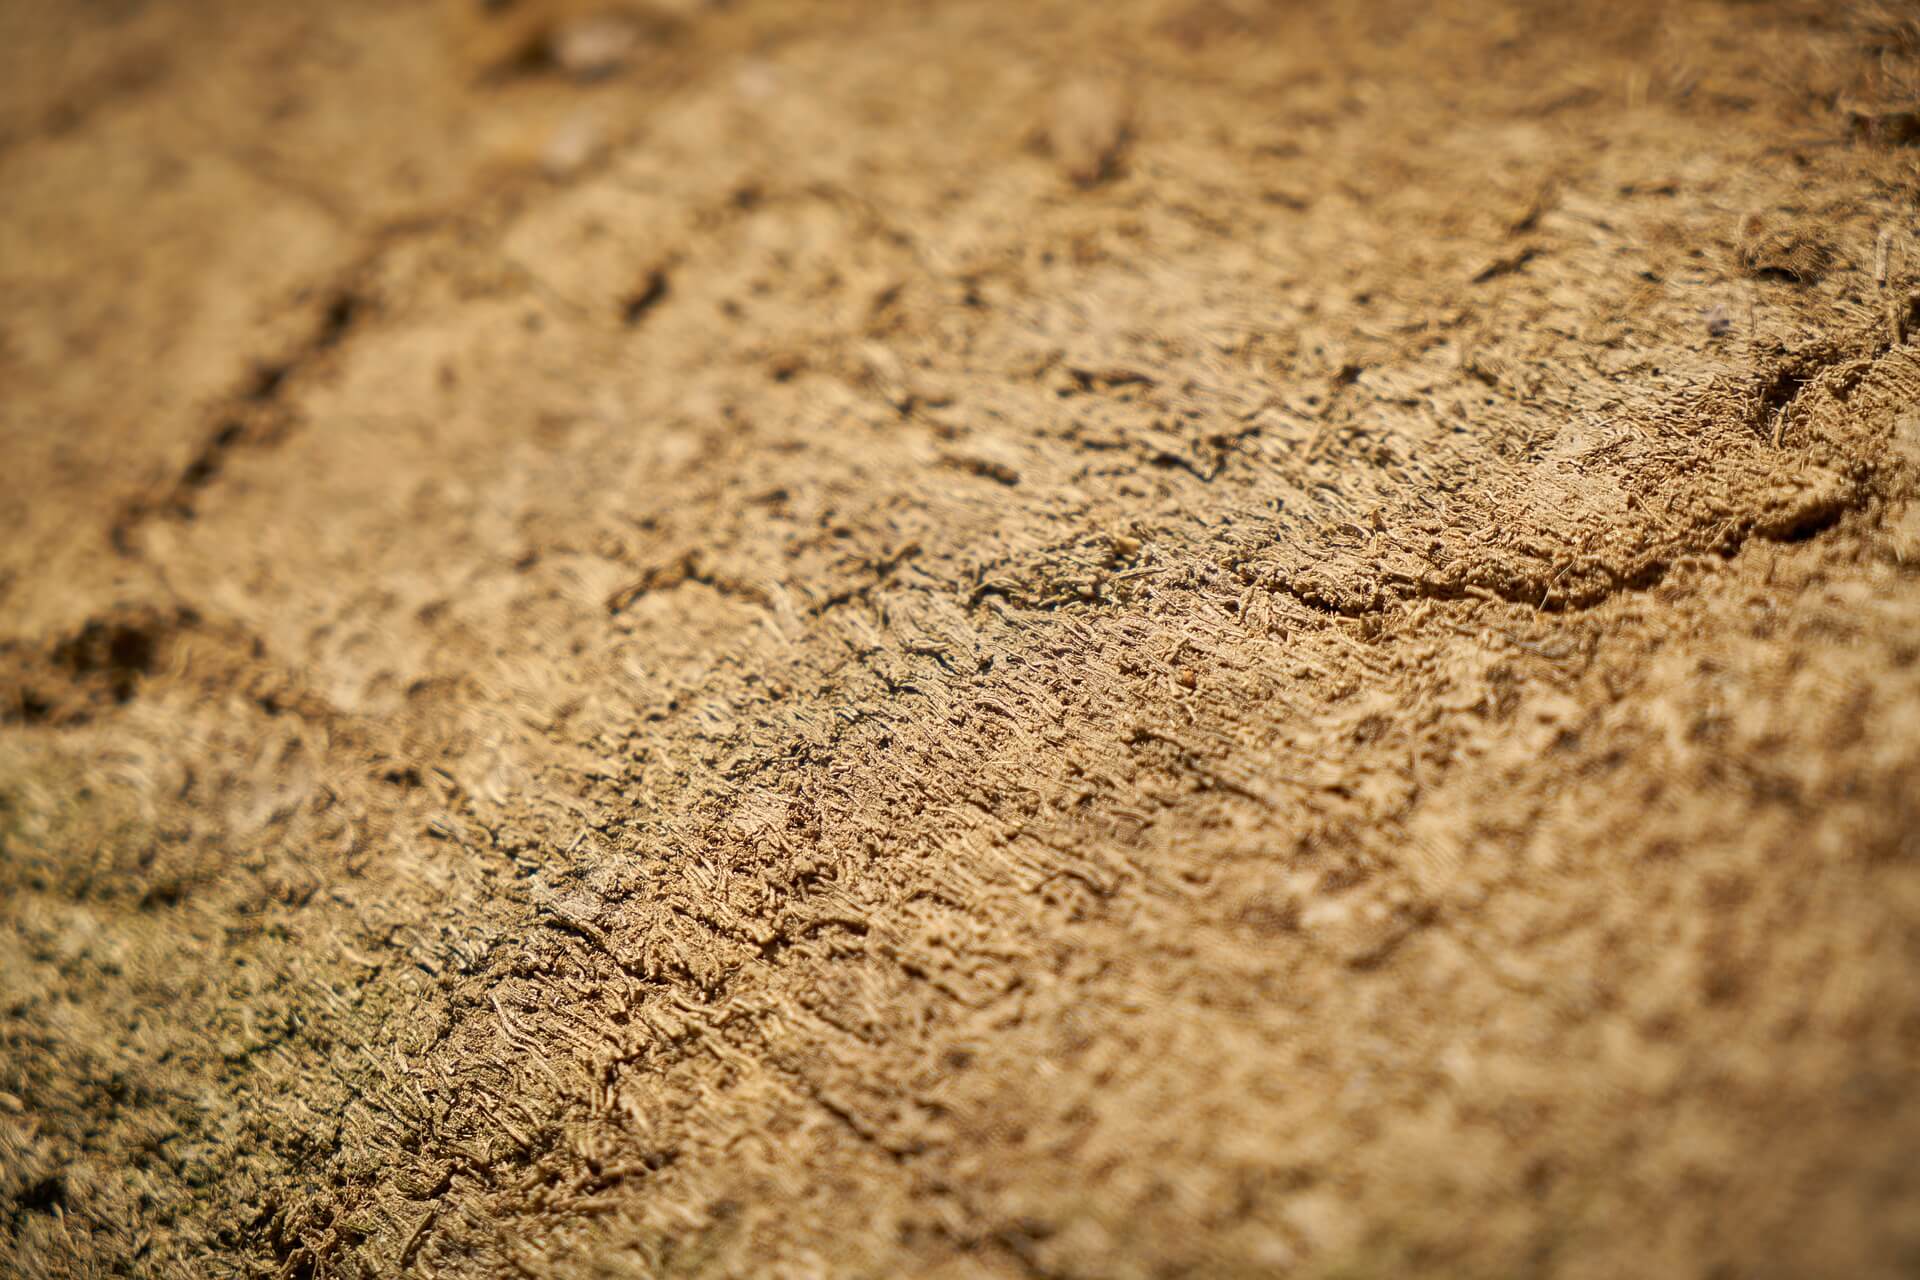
pixel 1161 638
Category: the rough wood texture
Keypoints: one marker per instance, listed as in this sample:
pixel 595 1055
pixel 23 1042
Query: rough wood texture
pixel 984 639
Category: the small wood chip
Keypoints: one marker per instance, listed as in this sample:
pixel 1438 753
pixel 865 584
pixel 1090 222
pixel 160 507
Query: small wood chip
pixel 1088 128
